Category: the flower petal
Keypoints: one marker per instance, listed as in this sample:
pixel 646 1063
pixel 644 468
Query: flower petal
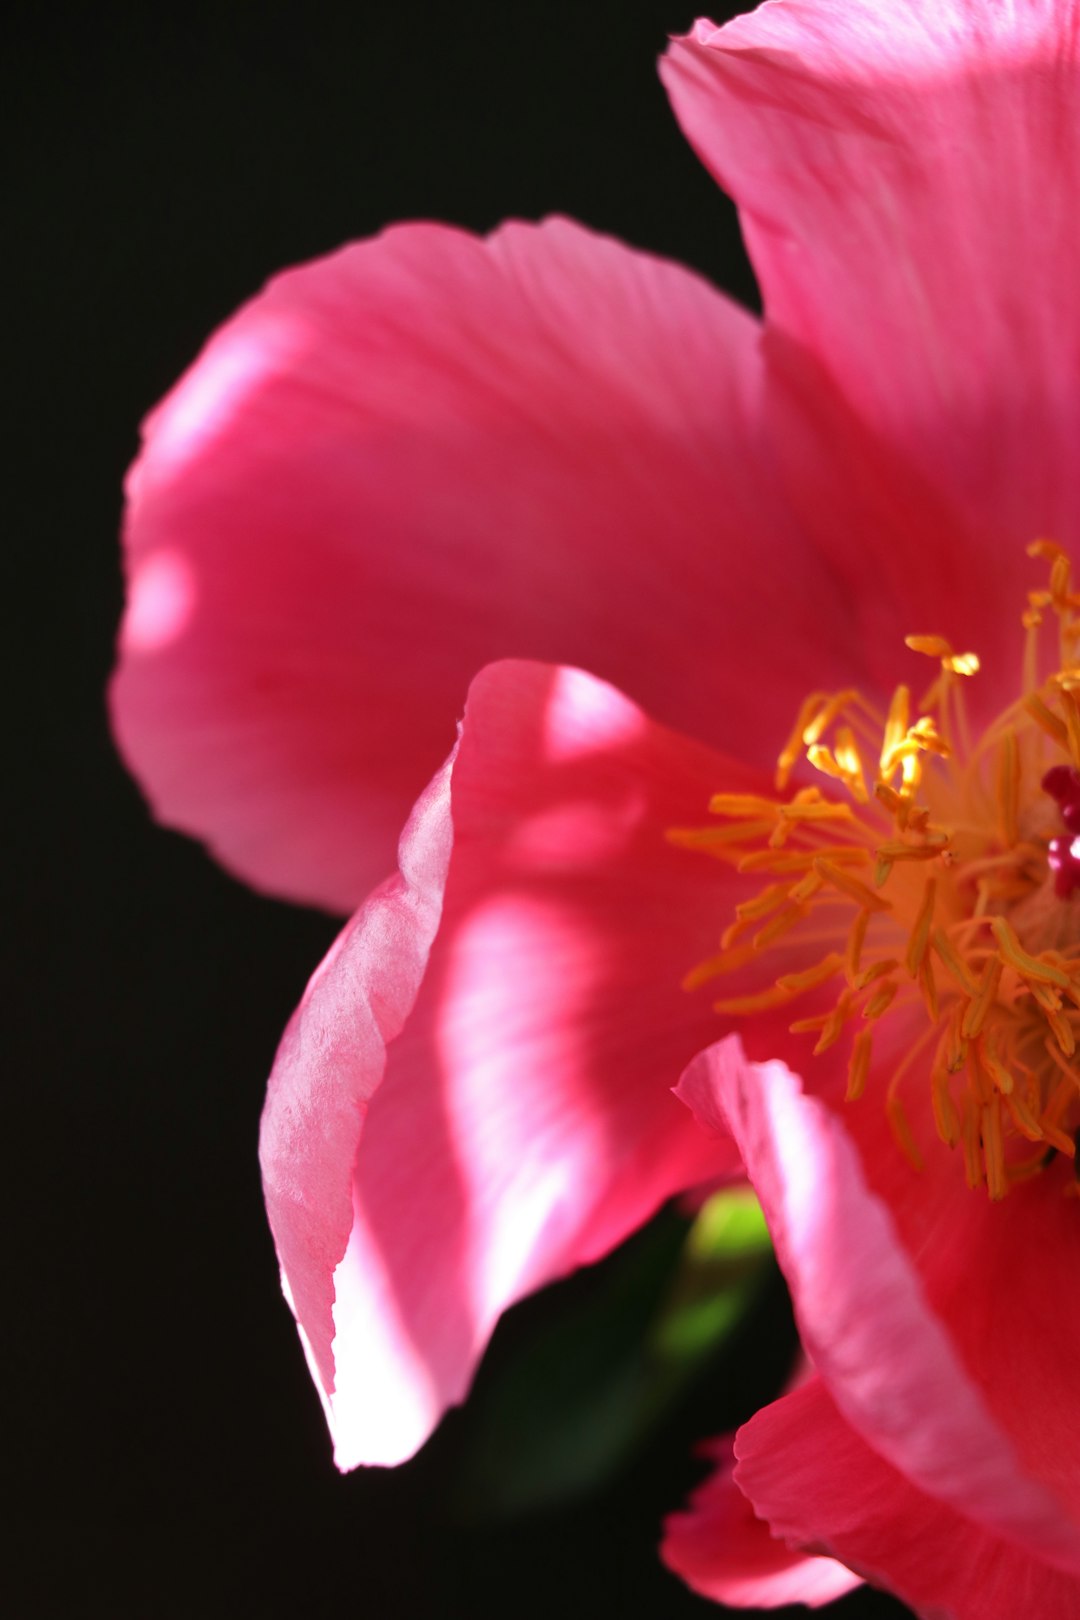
pixel 721 1549
pixel 820 1486
pixel 331 1061
pixel 999 1276
pixel 887 161
pixel 419 454
pixel 525 1124
pixel 863 1316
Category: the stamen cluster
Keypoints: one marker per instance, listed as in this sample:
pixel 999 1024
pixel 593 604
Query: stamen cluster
pixel 932 876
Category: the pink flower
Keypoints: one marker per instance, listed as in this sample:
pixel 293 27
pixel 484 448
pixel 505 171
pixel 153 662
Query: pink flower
pixel 429 453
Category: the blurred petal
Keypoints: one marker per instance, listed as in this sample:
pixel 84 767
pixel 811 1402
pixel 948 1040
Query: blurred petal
pixel 722 1550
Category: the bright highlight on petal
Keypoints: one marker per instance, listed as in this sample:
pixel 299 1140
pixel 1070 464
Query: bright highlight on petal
pixel 591 705
pixel 161 597
pixel 235 366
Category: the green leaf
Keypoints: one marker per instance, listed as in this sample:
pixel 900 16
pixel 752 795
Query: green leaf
pixel 562 1411
pixel 720 1266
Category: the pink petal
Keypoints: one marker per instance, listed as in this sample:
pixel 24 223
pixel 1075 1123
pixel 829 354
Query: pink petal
pixel 820 1486
pixel 526 1123
pixel 890 163
pixel 331 1061
pixel 1001 1278
pixel 421 453
pixel 722 1550
pixel 863 1315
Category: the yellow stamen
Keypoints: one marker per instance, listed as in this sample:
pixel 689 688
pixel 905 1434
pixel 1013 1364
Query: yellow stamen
pixel 1045 718
pixel 889 797
pixel 1030 966
pixel 896 726
pixel 994 1149
pixel 743 804
pixel 881 1000
pixel 919 938
pixel 882 871
pixel 999 1074
pixel 767 860
pixel 824 760
pixel 796 817
pixel 859 1066
pixel 779 925
pixel 1062 1030
pixel 928 987
pixel 924 734
pixel 809 978
pixel 938 647
pixel 761 905
pixel 1022 1117
pixel 849 885
pixel 833 1027
pixel 969 1142
pixel 902 1131
pixel 1008 788
pixel 710 838
pixel 794 745
pixel 1059 580
pixel 806 888
pixel 856 940
pixel 815 810
pixel 1071 715
pixel 952 891
pixel 955 963
pixel 809 1026
pixel 762 1001
pixel 898 851
pixel 825 717
pixel 979 1079
pixel 714 967
pixel 878 971
pixel 932 646
pixel 946 1118
pixel 847 757
pixel 978 1010
pixel 1048 550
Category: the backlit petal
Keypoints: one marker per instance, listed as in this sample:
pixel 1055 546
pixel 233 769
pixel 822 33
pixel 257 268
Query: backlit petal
pixel 906 178
pixel 525 1123
pixel 422 453
pixel 818 1484
pixel 722 1549
pixel 862 1311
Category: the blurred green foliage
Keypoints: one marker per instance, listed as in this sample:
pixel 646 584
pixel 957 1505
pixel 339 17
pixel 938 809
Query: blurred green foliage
pixel 569 1407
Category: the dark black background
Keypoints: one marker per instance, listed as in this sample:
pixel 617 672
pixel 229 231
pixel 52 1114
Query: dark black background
pixel 169 1453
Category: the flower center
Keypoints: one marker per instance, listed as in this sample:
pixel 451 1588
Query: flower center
pixel 939 890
